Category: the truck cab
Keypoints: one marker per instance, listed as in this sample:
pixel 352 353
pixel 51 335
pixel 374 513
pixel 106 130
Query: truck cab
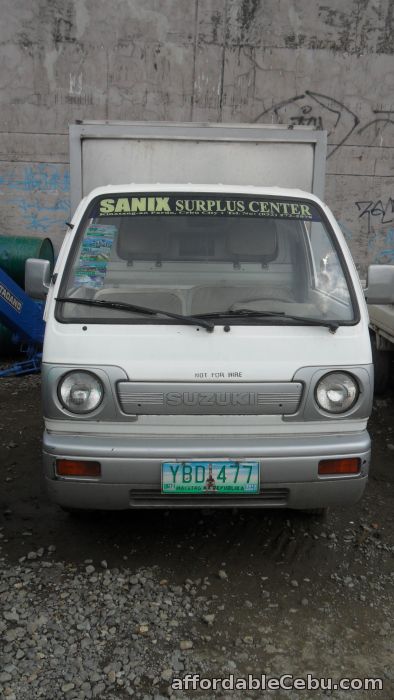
pixel 200 350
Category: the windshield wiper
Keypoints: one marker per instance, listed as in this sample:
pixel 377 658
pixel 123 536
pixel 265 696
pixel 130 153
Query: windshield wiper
pixel 280 315
pixel 122 306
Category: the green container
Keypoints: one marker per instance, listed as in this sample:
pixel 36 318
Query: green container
pixel 15 250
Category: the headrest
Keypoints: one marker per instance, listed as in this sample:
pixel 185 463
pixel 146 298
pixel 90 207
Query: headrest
pixel 139 238
pixel 252 238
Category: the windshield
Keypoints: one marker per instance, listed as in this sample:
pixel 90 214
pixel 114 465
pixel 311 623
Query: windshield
pixel 197 254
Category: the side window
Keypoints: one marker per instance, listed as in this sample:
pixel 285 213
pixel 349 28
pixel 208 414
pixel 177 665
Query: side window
pixel 292 257
pixel 328 277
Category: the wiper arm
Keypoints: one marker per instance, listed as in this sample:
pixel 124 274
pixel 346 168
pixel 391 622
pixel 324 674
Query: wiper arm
pixel 281 315
pixel 240 312
pixel 122 306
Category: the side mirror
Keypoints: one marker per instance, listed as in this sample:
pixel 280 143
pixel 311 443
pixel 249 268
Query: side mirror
pixel 37 277
pixel 380 284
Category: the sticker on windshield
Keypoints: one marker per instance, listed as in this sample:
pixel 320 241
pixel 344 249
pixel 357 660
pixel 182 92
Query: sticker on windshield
pixel 95 253
pixel 206 205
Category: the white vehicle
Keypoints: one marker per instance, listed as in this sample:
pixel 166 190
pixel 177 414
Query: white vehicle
pixel 206 344
pixel 382 329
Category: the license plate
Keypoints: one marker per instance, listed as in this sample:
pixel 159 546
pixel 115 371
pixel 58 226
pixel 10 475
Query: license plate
pixel 210 477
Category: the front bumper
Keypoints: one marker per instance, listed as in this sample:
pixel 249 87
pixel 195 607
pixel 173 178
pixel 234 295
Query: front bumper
pixel 131 470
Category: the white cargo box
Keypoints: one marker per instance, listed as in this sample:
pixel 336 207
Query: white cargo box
pixel 113 153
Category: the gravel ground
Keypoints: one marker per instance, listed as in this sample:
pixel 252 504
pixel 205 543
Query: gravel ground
pixel 117 605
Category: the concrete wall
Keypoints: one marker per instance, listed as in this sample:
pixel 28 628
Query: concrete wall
pixel 327 63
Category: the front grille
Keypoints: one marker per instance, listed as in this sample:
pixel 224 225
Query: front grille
pixel 218 398
pixel 153 498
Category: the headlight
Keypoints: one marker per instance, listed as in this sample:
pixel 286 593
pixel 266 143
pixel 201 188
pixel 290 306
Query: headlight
pixel 80 392
pixel 336 392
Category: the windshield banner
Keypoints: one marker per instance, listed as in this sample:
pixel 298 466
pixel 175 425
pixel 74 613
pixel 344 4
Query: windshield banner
pixel 205 205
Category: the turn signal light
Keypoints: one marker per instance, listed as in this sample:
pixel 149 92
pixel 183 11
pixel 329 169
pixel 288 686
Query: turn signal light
pixel 349 465
pixel 77 467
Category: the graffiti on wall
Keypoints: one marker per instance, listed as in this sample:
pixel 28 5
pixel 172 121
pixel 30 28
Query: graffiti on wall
pixel 345 126
pixel 36 196
pixel 314 109
pixel 379 214
pixel 382 212
pixel 325 112
pixel 381 246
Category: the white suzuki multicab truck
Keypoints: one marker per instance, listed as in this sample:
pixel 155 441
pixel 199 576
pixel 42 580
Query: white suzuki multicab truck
pixel 206 344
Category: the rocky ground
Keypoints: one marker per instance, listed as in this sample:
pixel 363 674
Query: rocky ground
pixel 117 605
